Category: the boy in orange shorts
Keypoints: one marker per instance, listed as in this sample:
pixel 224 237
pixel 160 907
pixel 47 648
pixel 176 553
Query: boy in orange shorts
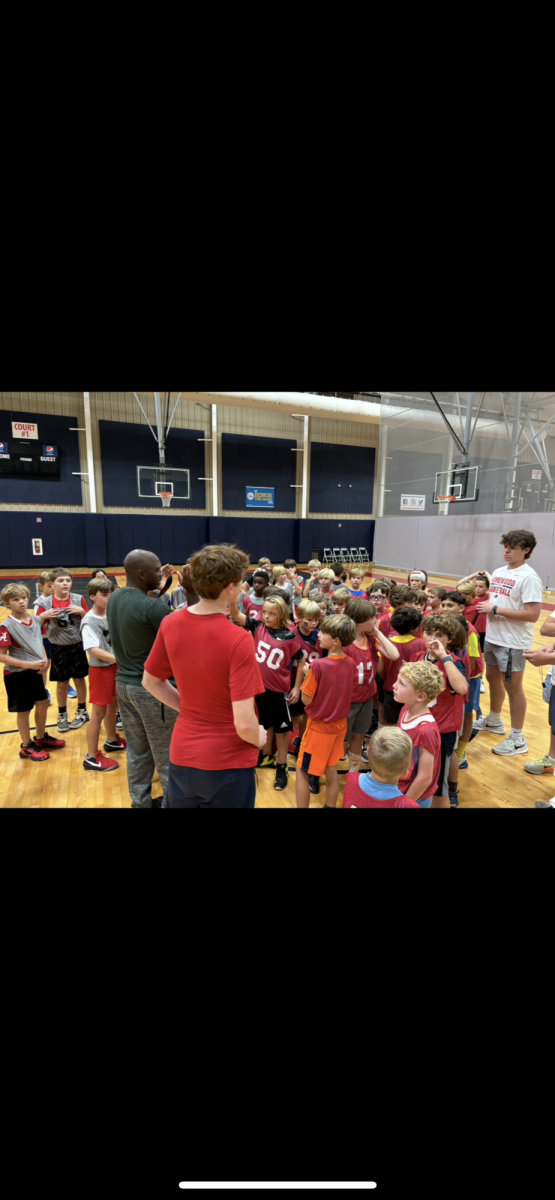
pixel 327 693
pixel 102 679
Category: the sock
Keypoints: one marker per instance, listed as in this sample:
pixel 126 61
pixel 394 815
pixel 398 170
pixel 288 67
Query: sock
pixel 494 718
pixel 82 707
pixel 92 757
pixel 62 710
pixel 453 787
pixel 354 761
pixel 461 750
pixel 518 733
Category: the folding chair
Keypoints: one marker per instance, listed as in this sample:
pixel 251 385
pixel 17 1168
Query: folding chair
pixel 355 555
pixel 337 554
pixel 327 555
pixel 345 557
pixel 363 554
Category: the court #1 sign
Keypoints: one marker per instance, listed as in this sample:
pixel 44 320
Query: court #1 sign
pixel 413 503
pixel 261 497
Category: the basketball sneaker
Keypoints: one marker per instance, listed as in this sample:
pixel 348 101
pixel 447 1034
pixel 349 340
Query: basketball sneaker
pixel 541 766
pixel 119 723
pixel 314 784
pixel 71 693
pixel 511 745
pixel 282 778
pixel 64 723
pixel 364 757
pixel 266 760
pixel 121 744
pixel 33 752
pixel 545 803
pixel 50 743
pixel 484 723
pixel 99 762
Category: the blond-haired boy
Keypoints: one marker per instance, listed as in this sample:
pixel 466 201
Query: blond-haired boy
pixel 390 754
pixel 417 686
pixel 25 666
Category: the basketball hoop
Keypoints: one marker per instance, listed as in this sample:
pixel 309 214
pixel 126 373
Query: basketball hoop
pixel 166 498
pixel 444 502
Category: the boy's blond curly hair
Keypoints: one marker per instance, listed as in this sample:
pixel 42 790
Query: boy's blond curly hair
pixel 425 678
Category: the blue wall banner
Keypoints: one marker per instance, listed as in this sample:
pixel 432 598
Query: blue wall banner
pixel 261 497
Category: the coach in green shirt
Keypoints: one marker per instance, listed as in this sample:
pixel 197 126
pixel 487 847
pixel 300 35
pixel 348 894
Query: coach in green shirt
pixel 134 620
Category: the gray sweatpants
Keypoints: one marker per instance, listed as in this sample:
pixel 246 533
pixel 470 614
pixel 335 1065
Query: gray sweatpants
pixel 148 741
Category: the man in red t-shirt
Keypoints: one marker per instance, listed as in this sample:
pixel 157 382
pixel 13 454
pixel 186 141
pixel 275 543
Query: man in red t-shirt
pixel 217 736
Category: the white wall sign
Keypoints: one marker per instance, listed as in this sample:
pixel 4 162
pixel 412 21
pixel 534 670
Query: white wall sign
pixel 22 429
pixel 37 546
pixel 413 503
pixel 536 474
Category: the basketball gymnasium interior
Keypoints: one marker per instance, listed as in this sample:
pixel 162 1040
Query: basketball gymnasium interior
pixel 388 481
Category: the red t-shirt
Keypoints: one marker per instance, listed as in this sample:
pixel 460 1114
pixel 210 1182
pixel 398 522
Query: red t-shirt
pixel 366 663
pixel 385 623
pixel 407 645
pixel 310 646
pixel 214 665
pixel 331 681
pixel 448 709
pixel 423 732
pixel 470 614
pixel 275 656
pixel 355 797
pixel 481 622
pixel 476 665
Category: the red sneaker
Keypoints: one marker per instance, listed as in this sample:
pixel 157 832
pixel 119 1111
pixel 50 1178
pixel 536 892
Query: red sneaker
pixel 119 744
pixel 33 752
pixel 49 743
pixel 100 763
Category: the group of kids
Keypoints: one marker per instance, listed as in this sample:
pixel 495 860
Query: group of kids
pixel 65 628
pixel 385 679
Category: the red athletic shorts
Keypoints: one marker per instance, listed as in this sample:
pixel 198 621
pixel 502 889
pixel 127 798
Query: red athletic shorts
pixel 102 684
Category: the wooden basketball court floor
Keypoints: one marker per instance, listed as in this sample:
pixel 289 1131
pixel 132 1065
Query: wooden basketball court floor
pixel 490 782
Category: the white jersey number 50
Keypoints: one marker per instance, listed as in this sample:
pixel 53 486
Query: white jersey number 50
pixel 274 659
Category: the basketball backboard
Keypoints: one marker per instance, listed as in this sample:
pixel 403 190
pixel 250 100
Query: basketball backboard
pixel 459 482
pixel 152 481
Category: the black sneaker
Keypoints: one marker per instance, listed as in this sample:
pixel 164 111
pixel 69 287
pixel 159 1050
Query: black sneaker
pixel 282 778
pixel 296 746
pixel 454 799
pixel 364 757
pixel 314 784
pixel 265 760
pixel 119 723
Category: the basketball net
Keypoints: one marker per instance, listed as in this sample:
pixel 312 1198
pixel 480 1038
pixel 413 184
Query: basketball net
pixel 444 502
pixel 166 498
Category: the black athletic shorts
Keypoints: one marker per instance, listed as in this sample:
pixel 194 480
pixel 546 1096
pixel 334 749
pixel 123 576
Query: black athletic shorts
pixel 189 787
pixel 273 712
pixel 68 662
pixel 392 710
pixel 25 689
pixel 381 693
pixel 482 637
pixel 448 743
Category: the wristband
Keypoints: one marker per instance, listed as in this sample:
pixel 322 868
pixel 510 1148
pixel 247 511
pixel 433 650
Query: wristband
pixel 448 658
pixel 494 610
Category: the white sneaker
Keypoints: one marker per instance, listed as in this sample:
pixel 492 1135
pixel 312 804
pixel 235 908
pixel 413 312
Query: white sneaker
pixel 512 745
pixel 484 723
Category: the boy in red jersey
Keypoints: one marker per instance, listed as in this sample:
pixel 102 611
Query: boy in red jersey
pixel 364 653
pixel 62 614
pixel 378 595
pixel 455 605
pixel 445 640
pixel 436 595
pixel 276 648
pixel 327 694
pixel 307 630
pixel 405 624
pixel 390 754
pixel 253 603
pixel 418 685
pixel 468 590
pixel 25 664
pixel 340 600
pixel 482 580
pixel 399 597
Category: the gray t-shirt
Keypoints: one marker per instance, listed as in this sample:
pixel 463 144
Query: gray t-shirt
pixel 27 643
pixel 69 632
pixel 96 635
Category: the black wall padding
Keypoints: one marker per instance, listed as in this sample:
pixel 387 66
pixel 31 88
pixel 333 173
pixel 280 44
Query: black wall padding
pixel 342 478
pixel 53 430
pixel 98 540
pixel 126 446
pixel 258 462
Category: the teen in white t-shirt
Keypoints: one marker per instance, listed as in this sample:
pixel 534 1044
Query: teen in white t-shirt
pixel 514 606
